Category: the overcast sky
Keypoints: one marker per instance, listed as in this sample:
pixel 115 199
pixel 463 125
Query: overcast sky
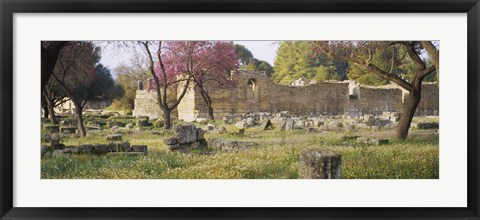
pixel 262 50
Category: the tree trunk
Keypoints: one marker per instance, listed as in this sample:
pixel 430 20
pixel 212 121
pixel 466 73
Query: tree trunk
pixel 45 111
pixel 433 53
pixel 51 112
pixel 210 112
pixel 49 57
pixel 409 108
pixel 78 113
pixel 167 117
pixel 208 102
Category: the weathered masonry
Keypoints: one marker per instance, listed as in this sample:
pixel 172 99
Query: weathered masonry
pixel 256 92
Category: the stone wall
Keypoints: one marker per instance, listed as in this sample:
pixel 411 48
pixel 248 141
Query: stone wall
pixel 256 92
pixel 371 100
pixel 429 103
pixel 186 109
pixel 67 106
pixel 146 104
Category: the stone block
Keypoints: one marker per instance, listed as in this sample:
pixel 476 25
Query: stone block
pixel 53 128
pixel 68 130
pixel 226 119
pixel 100 148
pixel 282 126
pixel 241 124
pixel 186 148
pixel 142 122
pixel 113 147
pixel 129 126
pixel 126 154
pixel 62 153
pixel 170 141
pixel 210 127
pixel 319 123
pixel 312 130
pixel 266 125
pixel 139 148
pixel 84 149
pixel 362 140
pixel 200 133
pixel 250 122
pixel 124 146
pixel 185 133
pixel 379 141
pixel 114 137
pixel 55 141
pixel 382 123
pixel 290 124
pixel 320 164
pixel 43 149
pixel 284 114
pixel 241 132
pixel 427 125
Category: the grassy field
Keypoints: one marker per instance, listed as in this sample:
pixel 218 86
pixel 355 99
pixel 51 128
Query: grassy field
pixel 277 157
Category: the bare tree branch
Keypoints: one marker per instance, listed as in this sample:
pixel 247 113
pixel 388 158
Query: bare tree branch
pixel 434 55
pixel 414 56
pixel 154 75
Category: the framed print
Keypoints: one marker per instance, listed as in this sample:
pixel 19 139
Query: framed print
pixel 256 110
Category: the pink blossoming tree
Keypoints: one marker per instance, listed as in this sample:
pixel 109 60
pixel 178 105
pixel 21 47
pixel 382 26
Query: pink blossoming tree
pixel 177 64
pixel 216 68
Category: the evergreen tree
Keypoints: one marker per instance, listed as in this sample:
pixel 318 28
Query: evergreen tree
pixel 296 59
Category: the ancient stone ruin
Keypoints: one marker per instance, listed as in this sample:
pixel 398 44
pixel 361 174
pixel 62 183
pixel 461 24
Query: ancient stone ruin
pixel 320 164
pixel 256 92
pixel 186 137
pixel 113 148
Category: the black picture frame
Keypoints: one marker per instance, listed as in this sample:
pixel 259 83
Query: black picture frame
pixel 9 7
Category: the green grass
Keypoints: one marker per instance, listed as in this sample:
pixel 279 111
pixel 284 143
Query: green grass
pixel 277 157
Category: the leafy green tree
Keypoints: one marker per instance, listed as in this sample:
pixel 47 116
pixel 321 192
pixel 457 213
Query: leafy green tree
pixel 50 52
pixel 406 67
pixel 324 73
pixel 82 79
pixel 128 77
pixel 265 66
pixel 244 55
pixel 248 62
pixel 103 86
pixel 74 72
pixel 393 59
pixel 296 59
